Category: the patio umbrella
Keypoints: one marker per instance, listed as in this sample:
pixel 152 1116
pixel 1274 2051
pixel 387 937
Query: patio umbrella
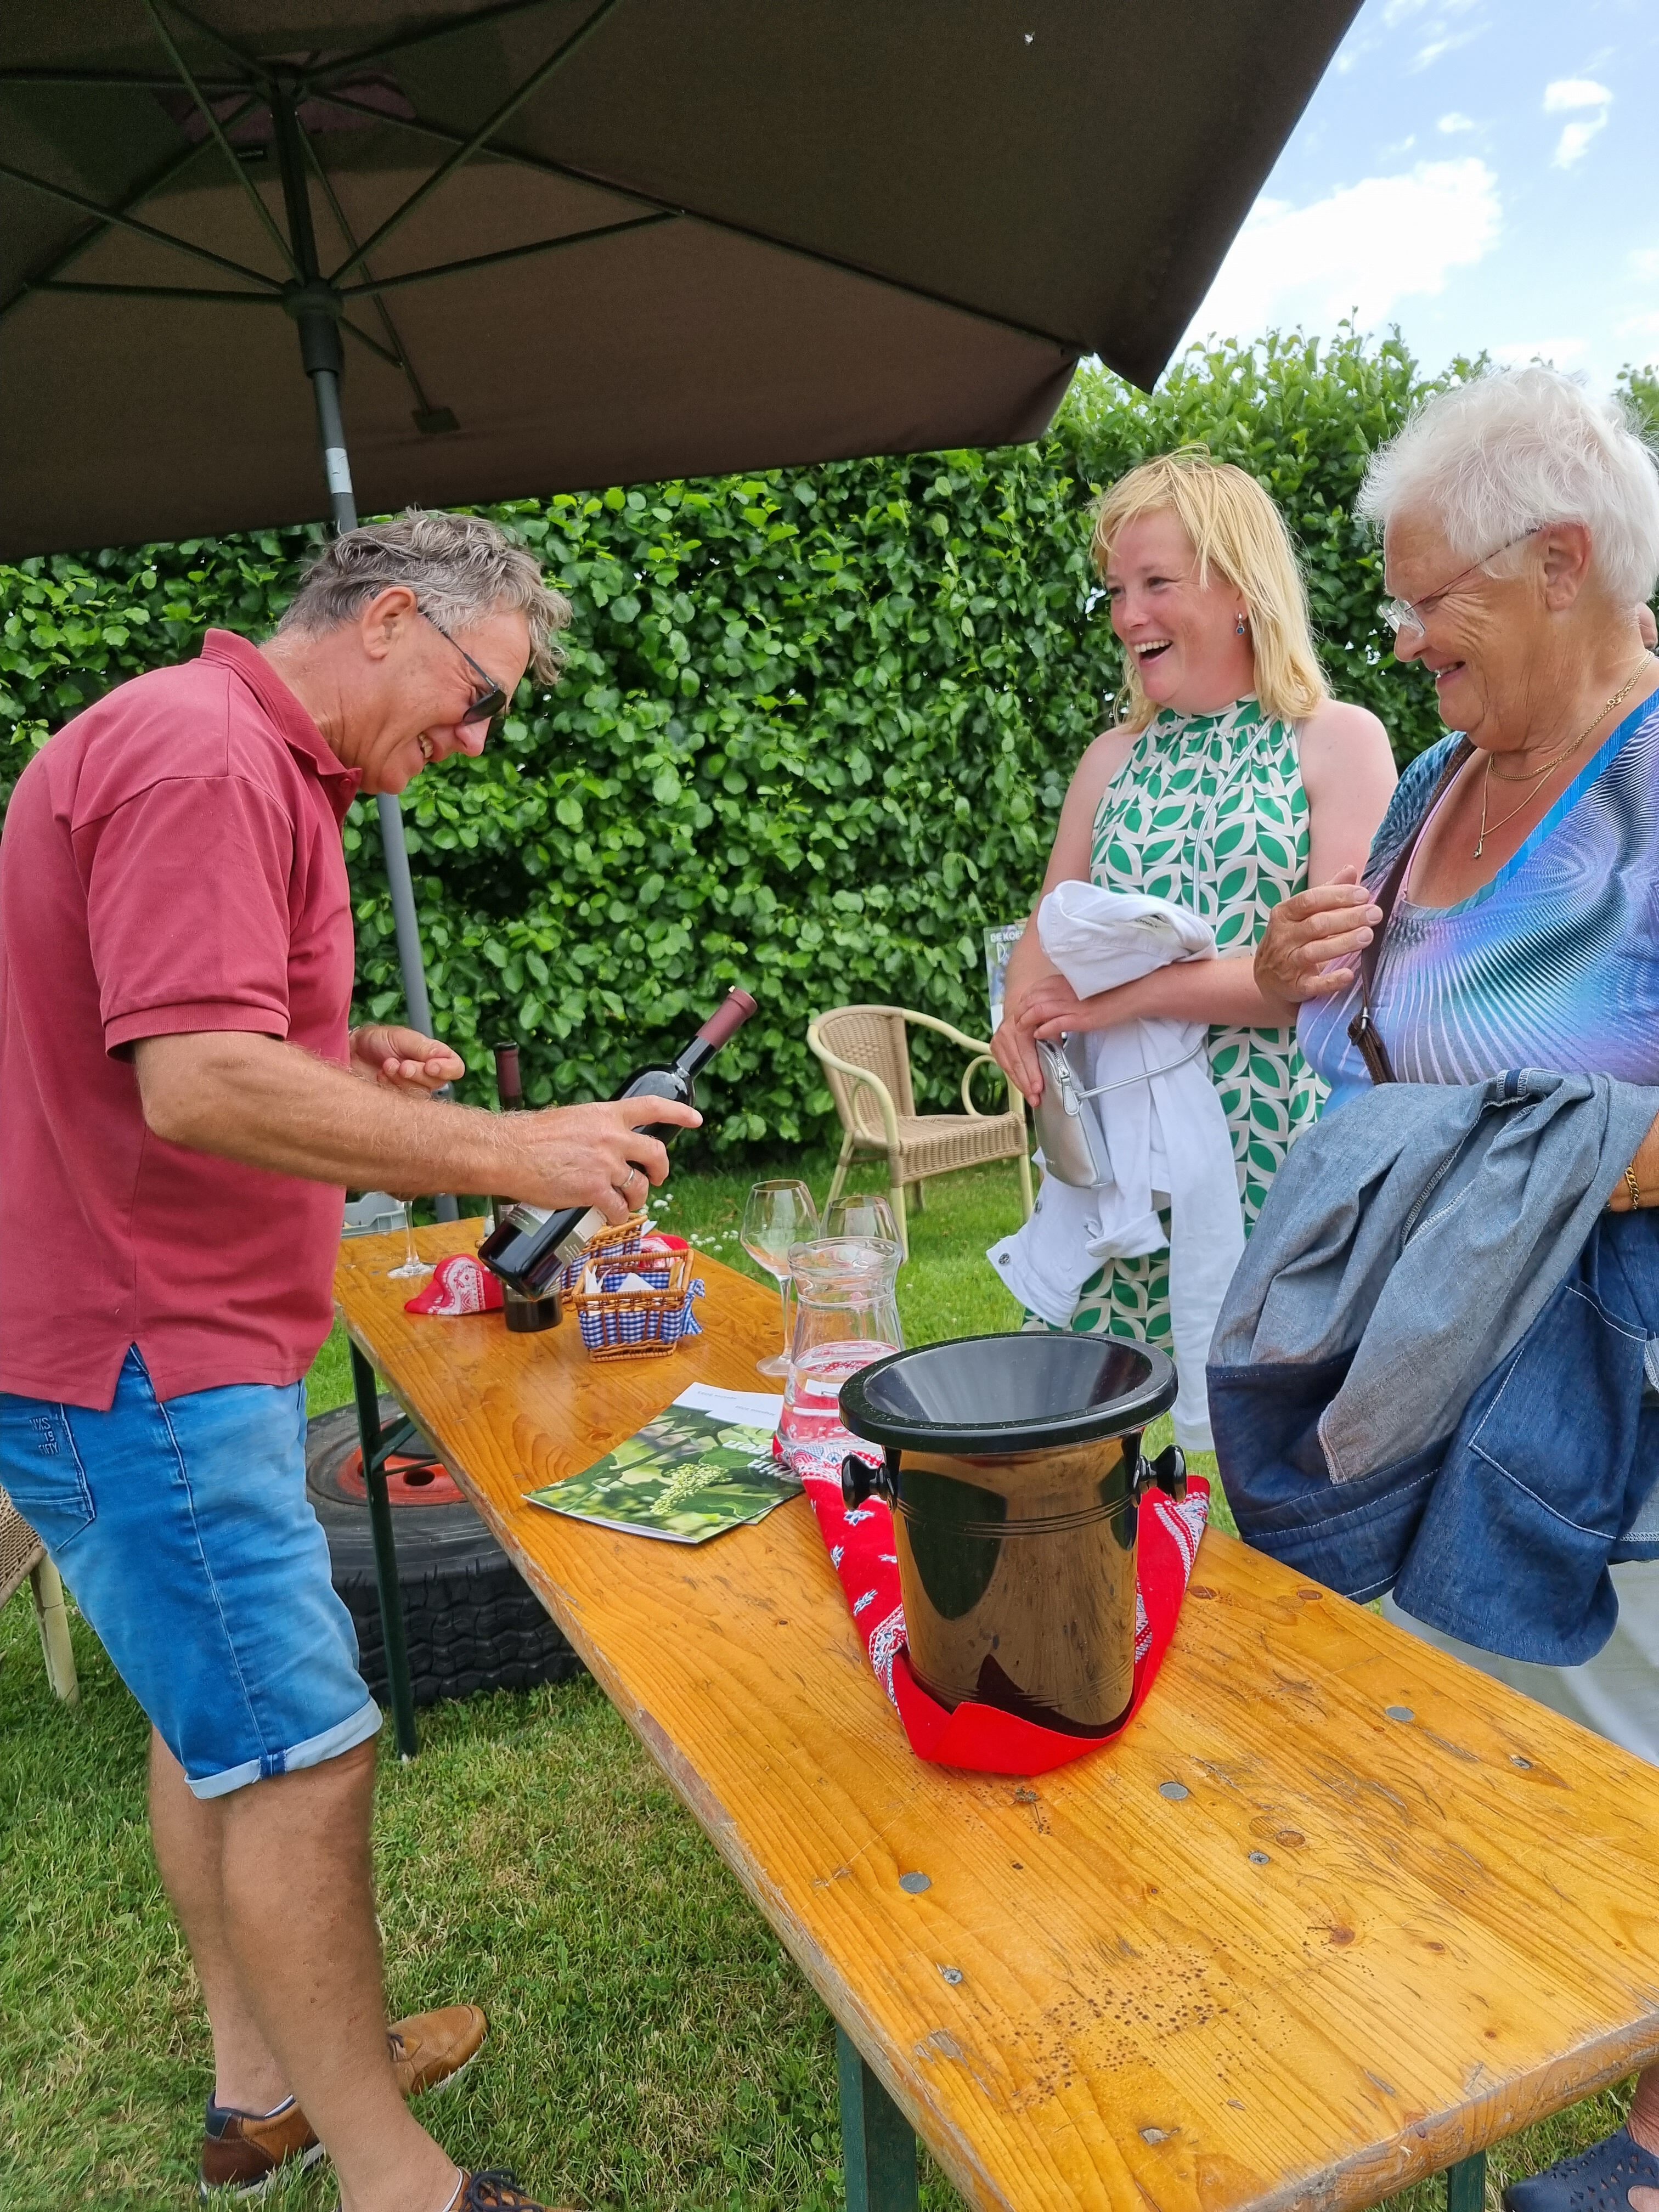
pixel 565 243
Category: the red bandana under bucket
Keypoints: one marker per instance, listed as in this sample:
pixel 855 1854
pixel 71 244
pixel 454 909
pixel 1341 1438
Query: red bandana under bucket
pixel 981 1737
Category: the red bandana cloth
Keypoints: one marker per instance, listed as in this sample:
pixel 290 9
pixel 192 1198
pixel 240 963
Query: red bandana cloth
pixel 459 1285
pixel 981 1737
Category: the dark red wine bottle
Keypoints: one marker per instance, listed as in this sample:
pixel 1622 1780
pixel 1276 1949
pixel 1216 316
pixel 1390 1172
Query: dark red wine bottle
pixel 525 1317
pixel 529 1244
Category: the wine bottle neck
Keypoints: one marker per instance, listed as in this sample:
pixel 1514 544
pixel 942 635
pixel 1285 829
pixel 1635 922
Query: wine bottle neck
pixel 691 1059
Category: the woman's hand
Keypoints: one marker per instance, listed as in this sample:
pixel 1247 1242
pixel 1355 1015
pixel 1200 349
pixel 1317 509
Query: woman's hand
pixel 1306 933
pixel 1051 1009
pixel 1016 1055
pixel 403 1060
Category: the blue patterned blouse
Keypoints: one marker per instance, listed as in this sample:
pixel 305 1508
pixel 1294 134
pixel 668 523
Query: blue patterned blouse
pixel 1554 964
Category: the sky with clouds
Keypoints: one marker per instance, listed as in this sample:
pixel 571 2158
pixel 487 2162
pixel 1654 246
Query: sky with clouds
pixel 1483 172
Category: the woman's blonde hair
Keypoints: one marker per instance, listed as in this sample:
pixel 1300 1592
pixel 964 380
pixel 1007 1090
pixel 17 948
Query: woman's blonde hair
pixel 1236 528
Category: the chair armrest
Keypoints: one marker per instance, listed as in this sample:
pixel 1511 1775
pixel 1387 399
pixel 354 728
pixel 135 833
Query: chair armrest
pixel 981 1060
pixel 857 1075
pixel 1015 1105
pixel 980 1045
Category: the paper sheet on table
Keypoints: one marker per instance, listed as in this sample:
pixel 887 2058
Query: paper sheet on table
pixel 701 1466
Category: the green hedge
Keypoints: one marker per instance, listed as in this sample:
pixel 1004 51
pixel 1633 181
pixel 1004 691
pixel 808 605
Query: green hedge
pixel 813 736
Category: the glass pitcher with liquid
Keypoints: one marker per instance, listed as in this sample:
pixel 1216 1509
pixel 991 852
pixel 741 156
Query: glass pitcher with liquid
pixel 846 1300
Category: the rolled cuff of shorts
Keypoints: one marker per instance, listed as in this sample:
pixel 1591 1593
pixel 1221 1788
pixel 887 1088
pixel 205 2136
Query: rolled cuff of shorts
pixel 345 1736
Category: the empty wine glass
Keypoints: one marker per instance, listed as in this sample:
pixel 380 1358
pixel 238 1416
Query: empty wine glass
pixel 861 1213
pixel 412 1263
pixel 779 1214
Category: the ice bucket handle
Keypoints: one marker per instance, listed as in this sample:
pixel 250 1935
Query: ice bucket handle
pixel 1167 1472
pixel 861 1481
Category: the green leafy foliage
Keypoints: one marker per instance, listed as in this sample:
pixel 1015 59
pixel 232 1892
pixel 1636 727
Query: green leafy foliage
pixel 813 736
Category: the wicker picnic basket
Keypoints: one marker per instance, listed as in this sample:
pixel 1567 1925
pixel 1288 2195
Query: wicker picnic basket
pixel 619 1323
pixel 616 1242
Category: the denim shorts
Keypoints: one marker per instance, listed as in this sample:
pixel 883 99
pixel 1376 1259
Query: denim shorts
pixel 184 1531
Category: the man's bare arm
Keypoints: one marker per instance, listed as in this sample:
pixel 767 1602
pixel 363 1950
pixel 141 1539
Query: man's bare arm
pixel 254 1099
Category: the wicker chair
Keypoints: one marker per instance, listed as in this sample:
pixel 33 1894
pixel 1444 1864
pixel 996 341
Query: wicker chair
pixel 866 1055
pixel 24 1559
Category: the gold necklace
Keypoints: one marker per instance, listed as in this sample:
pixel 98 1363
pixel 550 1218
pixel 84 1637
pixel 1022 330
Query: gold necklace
pixel 1538 775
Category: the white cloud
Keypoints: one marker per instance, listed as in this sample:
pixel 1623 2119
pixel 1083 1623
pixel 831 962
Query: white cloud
pixel 1447 43
pixel 1568 92
pixel 1561 353
pixel 1644 260
pixel 1360 251
pixel 1574 141
pixel 1396 12
pixel 1455 122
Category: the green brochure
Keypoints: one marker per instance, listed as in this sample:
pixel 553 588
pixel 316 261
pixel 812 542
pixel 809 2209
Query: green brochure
pixel 704 1465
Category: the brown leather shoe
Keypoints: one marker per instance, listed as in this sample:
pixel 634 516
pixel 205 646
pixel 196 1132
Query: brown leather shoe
pixel 430 2050
pixel 245 2154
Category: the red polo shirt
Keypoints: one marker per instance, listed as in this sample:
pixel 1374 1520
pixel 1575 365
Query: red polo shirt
pixel 170 862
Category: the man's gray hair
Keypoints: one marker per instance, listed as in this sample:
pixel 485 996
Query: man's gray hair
pixel 459 566
pixel 1505 454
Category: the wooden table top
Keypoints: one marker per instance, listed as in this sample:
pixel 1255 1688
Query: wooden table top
pixel 1399 1912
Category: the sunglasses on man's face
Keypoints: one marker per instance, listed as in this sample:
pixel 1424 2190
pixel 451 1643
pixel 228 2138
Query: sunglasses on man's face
pixel 489 702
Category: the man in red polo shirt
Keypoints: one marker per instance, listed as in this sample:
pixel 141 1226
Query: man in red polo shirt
pixel 182 1103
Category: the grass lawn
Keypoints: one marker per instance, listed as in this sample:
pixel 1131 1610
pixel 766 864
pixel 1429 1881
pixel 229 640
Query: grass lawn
pixel 652 2046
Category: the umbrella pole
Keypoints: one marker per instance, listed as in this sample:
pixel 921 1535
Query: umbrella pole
pixel 316 307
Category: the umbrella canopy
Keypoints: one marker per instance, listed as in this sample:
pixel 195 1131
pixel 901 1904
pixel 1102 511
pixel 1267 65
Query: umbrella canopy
pixel 564 243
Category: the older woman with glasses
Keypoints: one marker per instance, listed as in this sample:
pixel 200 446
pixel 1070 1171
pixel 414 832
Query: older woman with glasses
pixel 1521 534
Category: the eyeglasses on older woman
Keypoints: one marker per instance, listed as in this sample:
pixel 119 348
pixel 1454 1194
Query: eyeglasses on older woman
pixel 1410 614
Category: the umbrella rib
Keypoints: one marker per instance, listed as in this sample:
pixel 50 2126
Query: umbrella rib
pixel 379 284
pixel 480 137
pixel 205 109
pixel 385 354
pixel 107 215
pixel 544 165
pixel 117 80
pixel 170 168
pixel 399 359
pixel 150 292
pixel 399 45
pixel 249 62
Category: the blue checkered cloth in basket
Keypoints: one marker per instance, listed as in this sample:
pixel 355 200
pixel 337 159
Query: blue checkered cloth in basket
pixel 607 1331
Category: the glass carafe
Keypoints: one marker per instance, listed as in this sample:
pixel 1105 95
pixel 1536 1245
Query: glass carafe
pixel 845 1298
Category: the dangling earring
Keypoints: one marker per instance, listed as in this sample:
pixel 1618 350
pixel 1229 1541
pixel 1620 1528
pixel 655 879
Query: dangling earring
pixel 1239 627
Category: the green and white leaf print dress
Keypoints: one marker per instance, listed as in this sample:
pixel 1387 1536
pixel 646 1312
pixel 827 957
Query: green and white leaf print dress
pixel 1209 811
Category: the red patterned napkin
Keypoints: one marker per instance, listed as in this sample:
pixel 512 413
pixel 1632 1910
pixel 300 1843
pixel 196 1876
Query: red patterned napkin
pixel 981 1737
pixel 459 1285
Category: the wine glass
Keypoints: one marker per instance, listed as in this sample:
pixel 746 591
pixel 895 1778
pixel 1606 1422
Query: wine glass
pixel 779 1214
pixel 861 1213
pixel 412 1263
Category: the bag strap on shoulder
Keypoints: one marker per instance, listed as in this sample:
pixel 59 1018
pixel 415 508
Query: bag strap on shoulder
pixel 1363 1031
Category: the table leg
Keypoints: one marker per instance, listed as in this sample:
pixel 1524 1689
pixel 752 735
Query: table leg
pixel 878 2146
pixel 1466 2184
pixel 385 1554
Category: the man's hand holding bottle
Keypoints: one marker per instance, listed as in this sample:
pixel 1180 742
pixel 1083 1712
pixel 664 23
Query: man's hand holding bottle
pixel 595 1156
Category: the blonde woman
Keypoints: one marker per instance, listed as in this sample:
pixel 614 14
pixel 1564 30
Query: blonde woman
pixel 1232 781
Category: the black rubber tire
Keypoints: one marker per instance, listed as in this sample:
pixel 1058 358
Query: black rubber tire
pixel 471 1620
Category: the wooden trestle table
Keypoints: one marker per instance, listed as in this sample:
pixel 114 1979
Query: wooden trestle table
pixel 1334 1914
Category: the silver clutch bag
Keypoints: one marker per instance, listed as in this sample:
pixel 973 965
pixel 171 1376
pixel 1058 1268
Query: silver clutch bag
pixel 1073 1150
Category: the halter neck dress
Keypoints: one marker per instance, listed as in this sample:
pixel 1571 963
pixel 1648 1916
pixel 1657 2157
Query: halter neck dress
pixel 1209 811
